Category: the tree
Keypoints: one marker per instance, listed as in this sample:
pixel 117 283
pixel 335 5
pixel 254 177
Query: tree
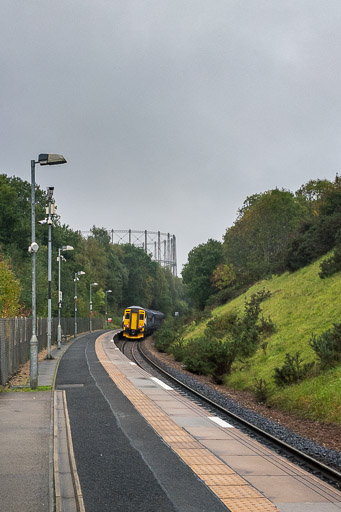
pixel 313 193
pixel 321 232
pixel 223 276
pixel 255 245
pixel 196 274
pixel 15 214
pixel 9 291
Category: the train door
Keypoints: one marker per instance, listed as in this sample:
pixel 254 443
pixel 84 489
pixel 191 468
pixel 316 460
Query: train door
pixel 134 321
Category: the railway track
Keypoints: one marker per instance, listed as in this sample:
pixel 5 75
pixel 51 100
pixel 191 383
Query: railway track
pixel 134 351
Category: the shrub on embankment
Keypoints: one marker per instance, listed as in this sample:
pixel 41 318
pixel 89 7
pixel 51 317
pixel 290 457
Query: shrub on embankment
pixel 302 307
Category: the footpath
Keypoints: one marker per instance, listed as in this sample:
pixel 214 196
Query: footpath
pixel 27 427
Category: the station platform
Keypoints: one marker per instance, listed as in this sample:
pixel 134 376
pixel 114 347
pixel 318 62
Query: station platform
pixel 140 445
pixel 109 436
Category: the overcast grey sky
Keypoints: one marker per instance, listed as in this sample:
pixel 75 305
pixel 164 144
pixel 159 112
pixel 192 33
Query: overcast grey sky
pixel 169 112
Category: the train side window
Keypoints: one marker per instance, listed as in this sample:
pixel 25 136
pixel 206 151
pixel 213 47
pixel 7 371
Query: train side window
pixel 141 316
pixel 127 316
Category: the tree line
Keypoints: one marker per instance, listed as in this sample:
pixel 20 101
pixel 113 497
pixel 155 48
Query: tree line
pixel 126 270
pixel 275 231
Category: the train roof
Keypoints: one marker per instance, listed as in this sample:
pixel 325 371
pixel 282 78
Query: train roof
pixel 146 310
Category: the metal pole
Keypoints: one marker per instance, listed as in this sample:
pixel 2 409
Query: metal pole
pixel 49 273
pixel 106 307
pixel 168 250
pixel 106 310
pixel 34 339
pixel 171 265
pixel 145 241
pixel 76 279
pixel 59 328
pixel 90 309
pixel 174 256
pixel 159 247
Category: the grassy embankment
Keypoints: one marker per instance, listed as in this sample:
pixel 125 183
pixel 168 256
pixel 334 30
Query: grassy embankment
pixel 301 304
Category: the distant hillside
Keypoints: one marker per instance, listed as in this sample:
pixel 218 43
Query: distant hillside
pixel 301 303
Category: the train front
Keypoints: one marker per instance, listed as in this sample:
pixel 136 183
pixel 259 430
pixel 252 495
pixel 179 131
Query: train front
pixel 134 323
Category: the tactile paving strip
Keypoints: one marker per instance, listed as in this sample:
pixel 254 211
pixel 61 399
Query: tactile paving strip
pixel 237 494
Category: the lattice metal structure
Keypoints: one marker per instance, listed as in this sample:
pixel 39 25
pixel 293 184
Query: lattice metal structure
pixel 161 247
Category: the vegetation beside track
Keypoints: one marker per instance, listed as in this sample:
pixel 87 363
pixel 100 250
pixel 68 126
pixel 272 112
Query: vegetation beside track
pixel 300 304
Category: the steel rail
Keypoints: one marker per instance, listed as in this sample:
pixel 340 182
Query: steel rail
pixel 314 464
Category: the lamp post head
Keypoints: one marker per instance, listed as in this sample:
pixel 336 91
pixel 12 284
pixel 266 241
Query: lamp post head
pixel 81 273
pixel 67 248
pixel 51 159
pixel 108 291
pixel 94 284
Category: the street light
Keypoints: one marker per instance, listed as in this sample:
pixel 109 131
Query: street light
pixel 43 159
pixel 91 285
pixel 106 307
pixel 49 221
pixel 80 273
pixel 60 296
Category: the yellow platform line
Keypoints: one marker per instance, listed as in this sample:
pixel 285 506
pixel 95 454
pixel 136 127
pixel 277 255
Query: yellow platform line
pixel 235 492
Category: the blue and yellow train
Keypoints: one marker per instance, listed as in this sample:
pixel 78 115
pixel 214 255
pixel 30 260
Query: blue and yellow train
pixel 140 322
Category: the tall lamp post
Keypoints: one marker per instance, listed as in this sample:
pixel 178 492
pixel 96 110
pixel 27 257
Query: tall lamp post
pixel 80 273
pixel 49 220
pixel 106 307
pixel 90 304
pixel 43 159
pixel 60 296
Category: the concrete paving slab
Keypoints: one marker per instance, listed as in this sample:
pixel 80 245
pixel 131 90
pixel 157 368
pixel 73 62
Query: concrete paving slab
pixel 308 507
pixel 24 451
pixel 157 392
pixel 226 448
pixel 143 383
pixel 178 411
pixel 209 433
pixel 253 465
pixel 191 421
pixel 276 489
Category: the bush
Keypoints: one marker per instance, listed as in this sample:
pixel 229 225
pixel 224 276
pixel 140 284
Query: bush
pixel 170 332
pixel 249 330
pixel 222 325
pixel 328 346
pixel 246 331
pixel 292 370
pixel 331 265
pixel 225 338
pixel 201 316
pixel 261 390
pixel 177 349
pixel 210 357
pixel 267 327
pixel 195 356
pixel 221 297
pixel 163 338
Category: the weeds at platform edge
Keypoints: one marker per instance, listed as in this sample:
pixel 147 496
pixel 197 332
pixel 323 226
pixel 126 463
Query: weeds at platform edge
pixel 24 389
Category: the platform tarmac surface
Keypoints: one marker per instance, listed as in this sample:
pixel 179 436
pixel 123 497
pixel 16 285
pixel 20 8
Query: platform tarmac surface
pixel 122 464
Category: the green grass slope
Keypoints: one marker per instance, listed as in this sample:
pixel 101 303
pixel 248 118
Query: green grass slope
pixel 301 304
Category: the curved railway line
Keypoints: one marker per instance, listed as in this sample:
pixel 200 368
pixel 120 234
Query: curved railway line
pixel 134 351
